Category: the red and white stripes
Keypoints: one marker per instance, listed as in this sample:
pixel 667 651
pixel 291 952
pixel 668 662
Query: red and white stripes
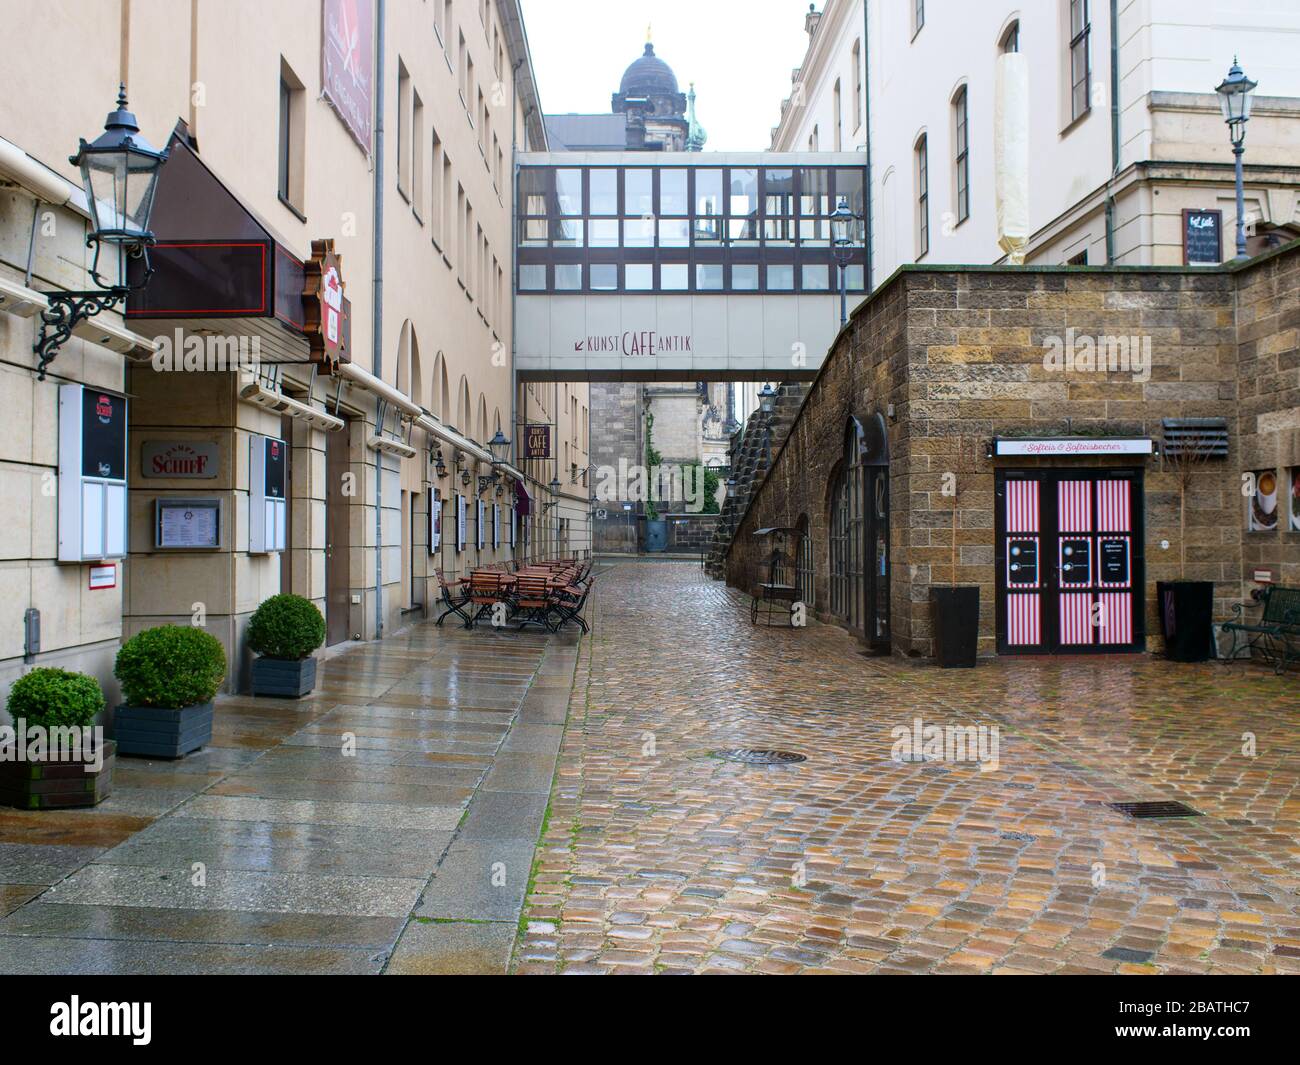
pixel 1074 506
pixel 1076 619
pixel 1022 506
pixel 1024 621
pixel 1114 506
pixel 1115 617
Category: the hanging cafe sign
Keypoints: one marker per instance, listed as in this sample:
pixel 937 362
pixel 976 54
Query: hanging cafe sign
pixel 1067 446
pixel 327 325
pixel 537 441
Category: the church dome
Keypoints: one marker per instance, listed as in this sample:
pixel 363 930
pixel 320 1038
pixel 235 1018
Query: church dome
pixel 648 76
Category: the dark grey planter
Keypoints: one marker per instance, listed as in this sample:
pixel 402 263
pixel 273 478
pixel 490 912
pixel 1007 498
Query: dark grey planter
pixel 289 677
pixel 160 731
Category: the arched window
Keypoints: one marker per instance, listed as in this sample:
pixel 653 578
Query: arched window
pixel 847 541
pixel 804 562
pixel 1011 39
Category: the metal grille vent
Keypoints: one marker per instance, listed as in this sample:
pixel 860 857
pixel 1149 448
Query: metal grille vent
pixel 1154 809
pixel 1196 438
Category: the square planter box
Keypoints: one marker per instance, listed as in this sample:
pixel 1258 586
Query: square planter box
pixel 53 785
pixel 284 676
pixel 162 732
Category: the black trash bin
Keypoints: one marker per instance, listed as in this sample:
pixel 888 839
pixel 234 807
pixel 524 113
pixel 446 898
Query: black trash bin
pixel 956 614
pixel 1186 619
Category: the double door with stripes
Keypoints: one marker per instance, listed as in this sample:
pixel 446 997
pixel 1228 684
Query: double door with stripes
pixel 1069 561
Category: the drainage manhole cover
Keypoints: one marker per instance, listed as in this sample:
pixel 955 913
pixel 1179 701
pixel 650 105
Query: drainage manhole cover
pixel 1154 809
pixel 759 756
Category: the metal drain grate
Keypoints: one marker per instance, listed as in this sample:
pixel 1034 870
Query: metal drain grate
pixel 759 756
pixel 1154 809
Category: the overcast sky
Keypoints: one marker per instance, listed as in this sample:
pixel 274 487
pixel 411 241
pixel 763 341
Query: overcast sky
pixel 739 53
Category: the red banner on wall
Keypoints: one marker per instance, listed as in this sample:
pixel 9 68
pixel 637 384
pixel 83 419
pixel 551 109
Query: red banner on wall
pixel 347 64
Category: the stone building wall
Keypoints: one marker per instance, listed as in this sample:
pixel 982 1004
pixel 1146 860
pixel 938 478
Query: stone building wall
pixel 959 353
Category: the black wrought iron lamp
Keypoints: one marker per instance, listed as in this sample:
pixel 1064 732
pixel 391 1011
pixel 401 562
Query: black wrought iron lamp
pixel 842 220
pixel 554 488
pixel 119 173
pixel 1234 97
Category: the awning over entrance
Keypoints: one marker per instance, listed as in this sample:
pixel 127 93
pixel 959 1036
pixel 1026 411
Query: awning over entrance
pixel 523 504
pixel 215 260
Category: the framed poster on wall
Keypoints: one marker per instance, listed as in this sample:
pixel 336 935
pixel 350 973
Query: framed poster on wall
pixel 187 524
pixel 435 522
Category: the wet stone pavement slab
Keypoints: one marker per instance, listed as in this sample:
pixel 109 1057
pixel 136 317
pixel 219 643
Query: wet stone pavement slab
pixel 385 823
pixel 660 857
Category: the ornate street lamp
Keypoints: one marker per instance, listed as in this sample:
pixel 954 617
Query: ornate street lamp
pixel 767 398
pixel 842 219
pixel 500 447
pixel 119 173
pixel 1234 96
pixel 439 466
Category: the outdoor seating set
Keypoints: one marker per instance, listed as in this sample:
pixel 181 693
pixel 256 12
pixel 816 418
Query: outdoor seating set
pixel 550 594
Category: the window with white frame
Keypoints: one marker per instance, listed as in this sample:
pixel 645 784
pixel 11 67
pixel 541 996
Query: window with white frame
pixel 1080 58
pixel 961 157
pixel 922 196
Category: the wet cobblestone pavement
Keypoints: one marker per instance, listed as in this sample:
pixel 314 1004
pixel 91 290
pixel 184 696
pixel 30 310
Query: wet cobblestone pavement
pixel 659 857
pixel 274 851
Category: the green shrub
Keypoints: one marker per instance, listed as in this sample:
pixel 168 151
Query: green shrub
pixel 286 626
pixel 55 697
pixel 172 666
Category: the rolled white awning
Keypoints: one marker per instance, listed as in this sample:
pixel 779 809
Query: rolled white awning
pixel 421 417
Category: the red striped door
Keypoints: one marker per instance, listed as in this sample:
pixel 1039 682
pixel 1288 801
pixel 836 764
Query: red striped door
pixel 1067 565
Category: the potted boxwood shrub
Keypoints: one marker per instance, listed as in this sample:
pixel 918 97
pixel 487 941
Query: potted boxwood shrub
pixel 284 631
pixel 955 610
pixel 75 767
pixel 169 676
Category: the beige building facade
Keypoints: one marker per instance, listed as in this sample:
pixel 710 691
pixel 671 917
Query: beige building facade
pixel 326 138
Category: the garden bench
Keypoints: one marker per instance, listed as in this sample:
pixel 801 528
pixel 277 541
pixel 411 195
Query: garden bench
pixel 1276 635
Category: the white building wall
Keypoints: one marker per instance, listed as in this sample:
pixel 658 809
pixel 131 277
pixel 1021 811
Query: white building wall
pixel 1166 46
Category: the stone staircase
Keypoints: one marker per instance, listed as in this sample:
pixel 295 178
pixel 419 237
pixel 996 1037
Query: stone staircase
pixel 750 459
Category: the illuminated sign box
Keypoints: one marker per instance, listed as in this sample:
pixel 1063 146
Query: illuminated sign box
pixel 267 492
pixel 92 474
pixel 1066 446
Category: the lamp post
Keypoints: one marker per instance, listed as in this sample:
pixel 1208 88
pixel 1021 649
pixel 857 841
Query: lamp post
pixel 119 173
pixel 842 219
pixel 767 404
pixel 1234 96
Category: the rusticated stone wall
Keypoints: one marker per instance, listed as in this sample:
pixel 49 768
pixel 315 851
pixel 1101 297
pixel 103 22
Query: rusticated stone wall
pixel 961 355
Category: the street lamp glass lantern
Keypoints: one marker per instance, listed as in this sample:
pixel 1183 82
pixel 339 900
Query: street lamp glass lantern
pixel 767 398
pixel 1234 97
pixel 842 219
pixel 554 486
pixel 500 446
pixel 119 171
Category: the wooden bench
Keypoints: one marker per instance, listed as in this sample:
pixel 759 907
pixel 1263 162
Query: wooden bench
pixel 1276 635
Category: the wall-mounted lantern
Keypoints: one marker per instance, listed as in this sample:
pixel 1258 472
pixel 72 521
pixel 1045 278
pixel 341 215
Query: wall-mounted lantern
pixel 119 173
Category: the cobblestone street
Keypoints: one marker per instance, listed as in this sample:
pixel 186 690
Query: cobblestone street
pixel 659 856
